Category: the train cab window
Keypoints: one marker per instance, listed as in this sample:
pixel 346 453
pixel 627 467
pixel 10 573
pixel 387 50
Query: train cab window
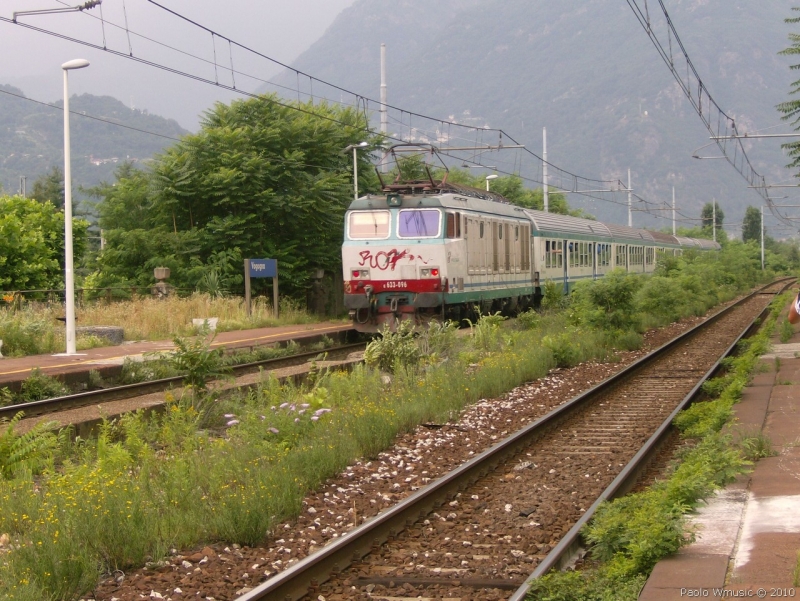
pixel 368 225
pixel 419 223
pixel 453 225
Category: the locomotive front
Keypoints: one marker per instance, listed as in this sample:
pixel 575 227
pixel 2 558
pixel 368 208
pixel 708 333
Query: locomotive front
pixel 393 258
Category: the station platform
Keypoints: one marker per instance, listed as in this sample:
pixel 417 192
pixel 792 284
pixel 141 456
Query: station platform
pixel 748 535
pixel 110 358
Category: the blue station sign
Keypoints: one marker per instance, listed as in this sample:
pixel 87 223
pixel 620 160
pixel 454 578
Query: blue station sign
pixel 263 268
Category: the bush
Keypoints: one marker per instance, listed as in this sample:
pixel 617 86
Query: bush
pixel 607 303
pixel 393 350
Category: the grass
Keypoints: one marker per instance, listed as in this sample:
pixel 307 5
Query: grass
pixel 34 329
pixel 786 331
pixel 234 469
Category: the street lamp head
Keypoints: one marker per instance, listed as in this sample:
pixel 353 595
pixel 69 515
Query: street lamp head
pixel 356 146
pixel 78 63
pixel 493 176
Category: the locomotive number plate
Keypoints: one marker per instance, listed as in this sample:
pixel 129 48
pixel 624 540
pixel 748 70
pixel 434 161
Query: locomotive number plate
pixel 395 284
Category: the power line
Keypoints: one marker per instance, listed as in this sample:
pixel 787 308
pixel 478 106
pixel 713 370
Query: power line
pixel 702 101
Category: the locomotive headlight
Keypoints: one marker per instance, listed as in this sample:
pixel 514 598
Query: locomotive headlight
pixel 360 274
pixel 429 272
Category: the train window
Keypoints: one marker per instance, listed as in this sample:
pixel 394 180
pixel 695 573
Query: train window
pixel 419 223
pixel 500 232
pixel 481 229
pixel 554 253
pixel 516 232
pixel 453 225
pixel 368 225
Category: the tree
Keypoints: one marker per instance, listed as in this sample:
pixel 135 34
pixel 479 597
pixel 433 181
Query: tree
pixel 32 244
pixel 791 108
pixel 50 187
pixel 707 215
pixel 260 179
pixel 751 225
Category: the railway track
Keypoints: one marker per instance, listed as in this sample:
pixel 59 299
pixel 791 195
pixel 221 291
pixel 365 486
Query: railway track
pixel 129 391
pixel 479 531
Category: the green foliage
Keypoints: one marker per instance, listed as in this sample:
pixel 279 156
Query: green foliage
pixel 393 350
pixel 486 331
pixel 40 386
pixel 708 213
pixel 27 333
pixel 26 453
pixel 751 225
pixel 791 108
pixel 786 331
pixel 553 296
pixel 258 180
pixel 438 340
pixel 756 445
pixel 197 361
pixel 32 244
pixel 527 320
pixel 607 303
pixel 49 187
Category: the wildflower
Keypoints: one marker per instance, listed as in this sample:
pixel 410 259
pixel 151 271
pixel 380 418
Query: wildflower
pixel 297 420
pixel 230 415
pixel 233 422
pixel 284 405
pixel 292 407
pixel 322 411
pixel 273 408
pixel 305 406
pixel 273 430
pixel 302 411
pixel 263 417
pixel 314 418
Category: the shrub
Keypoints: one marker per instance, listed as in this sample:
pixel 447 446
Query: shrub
pixel 393 350
pixel 607 303
pixel 40 386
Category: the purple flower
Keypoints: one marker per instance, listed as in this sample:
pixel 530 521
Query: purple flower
pixel 230 415
pixel 292 407
pixel 314 418
pixel 305 406
pixel 302 411
pixel 263 417
pixel 233 422
pixel 284 405
pixel 273 430
pixel 273 408
pixel 322 411
pixel 297 420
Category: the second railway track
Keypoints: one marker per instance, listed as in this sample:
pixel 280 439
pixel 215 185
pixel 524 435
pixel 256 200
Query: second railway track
pixel 480 530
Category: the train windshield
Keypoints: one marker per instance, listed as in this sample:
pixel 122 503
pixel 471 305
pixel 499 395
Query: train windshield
pixel 419 223
pixel 368 225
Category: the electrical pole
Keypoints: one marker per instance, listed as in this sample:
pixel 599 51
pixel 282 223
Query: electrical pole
pixel 630 203
pixel 674 229
pixel 384 114
pixel 762 237
pixel 545 192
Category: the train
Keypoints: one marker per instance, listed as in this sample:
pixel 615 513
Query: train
pixel 429 249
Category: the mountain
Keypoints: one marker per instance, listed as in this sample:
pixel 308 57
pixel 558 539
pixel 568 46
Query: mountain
pixel 32 138
pixel 586 70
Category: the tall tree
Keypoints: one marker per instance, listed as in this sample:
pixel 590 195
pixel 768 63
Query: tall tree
pixel 751 225
pixel 708 214
pixel 791 108
pixel 32 244
pixel 50 187
pixel 260 179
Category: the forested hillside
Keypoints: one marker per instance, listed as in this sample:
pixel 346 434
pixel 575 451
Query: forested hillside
pixel 586 70
pixel 32 138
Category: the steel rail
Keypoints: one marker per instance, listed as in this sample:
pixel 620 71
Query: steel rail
pixel 569 545
pixel 127 391
pixel 294 582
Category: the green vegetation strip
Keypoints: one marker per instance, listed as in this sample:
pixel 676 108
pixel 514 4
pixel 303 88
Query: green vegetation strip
pixel 232 470
pixel 629 535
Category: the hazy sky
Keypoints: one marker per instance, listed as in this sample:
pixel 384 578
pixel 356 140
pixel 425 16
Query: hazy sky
pixel 279 29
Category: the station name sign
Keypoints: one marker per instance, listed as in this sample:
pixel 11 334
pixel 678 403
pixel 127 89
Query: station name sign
pixel 263 268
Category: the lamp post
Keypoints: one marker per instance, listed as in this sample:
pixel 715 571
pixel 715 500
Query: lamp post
pixel 69 277
pixel 488 178
pixel 354 148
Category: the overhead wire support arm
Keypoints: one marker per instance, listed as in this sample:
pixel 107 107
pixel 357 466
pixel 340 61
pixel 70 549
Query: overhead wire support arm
pixel 52 11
